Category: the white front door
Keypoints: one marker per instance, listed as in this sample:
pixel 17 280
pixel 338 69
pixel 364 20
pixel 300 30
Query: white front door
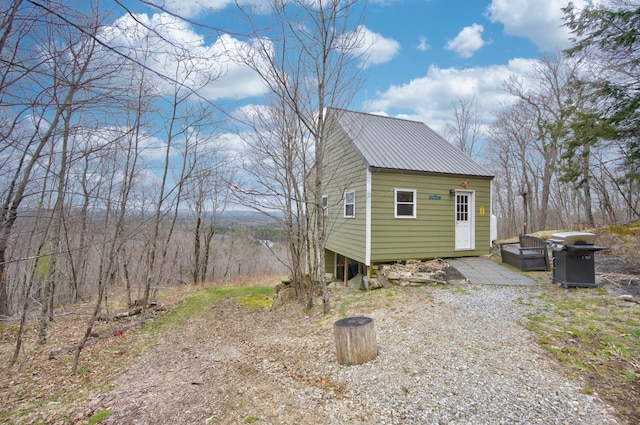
pixel 464 220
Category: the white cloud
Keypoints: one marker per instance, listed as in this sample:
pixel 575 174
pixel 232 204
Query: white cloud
pixel 238 81
pixel 372 47
pixel 153 149
pixel 467 41
pixel 538 20
pixel 430 98
pixel 384 2
pixel 423 46
pixel 231 142
pixel 191 8
pixel 170 47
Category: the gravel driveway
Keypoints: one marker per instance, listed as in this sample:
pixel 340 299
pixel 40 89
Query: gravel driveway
pixel 454 354
pixel 465 359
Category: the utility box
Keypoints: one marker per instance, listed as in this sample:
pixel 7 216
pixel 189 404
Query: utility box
pixel 574 259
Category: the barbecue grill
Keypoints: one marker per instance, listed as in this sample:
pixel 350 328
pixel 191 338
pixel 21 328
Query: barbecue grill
pixel 573 258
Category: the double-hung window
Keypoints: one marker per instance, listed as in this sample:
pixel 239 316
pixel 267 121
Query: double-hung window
pixel 350 204
pixel 405 205
pixel 325 205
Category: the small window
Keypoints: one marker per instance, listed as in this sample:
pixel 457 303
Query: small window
pixel 405 203
pixel 462 207
pixel 325 205
pixel 350 204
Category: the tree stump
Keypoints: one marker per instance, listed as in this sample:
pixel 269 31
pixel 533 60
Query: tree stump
pixel 355 340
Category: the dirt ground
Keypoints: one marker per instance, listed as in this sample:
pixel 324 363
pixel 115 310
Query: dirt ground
pixel 618 267
pixel 203 372
pixel 195 373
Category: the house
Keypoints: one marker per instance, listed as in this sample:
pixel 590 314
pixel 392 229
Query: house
pixel 395 190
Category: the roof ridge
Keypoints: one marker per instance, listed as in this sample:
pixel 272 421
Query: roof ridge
pixel 377 115
pixel 401 144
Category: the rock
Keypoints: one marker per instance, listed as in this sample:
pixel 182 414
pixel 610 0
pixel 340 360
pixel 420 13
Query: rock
pixel 627 300
pixel 283 295
pixel 375 283
pixel 458 281
pixel 384 281
pixel 393 276
pixel 422 280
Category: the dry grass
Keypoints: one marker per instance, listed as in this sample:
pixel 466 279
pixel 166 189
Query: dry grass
pixel 586 330
pixel 594 333
pixel 40 388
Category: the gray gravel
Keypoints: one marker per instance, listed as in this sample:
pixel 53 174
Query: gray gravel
pixel 466 358
pixel 454 354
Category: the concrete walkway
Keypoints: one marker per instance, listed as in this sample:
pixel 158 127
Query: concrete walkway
pixel 481 270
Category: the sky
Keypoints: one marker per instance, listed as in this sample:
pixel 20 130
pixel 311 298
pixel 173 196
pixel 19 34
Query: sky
pixel 424 54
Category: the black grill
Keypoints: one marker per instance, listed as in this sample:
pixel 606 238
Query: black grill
pixel 573 259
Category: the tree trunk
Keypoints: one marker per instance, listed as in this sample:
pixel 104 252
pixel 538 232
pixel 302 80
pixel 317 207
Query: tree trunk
pixel 196 251
pixel 587 186
pixel 355 340
pixel 207 252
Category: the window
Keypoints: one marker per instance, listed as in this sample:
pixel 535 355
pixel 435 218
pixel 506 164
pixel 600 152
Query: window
pixel 462 207
pixel 405 203
pixel 325 205
pixel 350 204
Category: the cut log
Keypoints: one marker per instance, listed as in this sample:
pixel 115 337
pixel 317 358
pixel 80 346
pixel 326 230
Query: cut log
pixel 355 339
pixel 129 313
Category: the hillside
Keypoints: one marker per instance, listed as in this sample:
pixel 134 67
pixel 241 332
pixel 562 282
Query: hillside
pixel 587 331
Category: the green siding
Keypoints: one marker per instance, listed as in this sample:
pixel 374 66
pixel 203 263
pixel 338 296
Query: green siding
pixel 345 171
pixel 329 261
pixel 432 233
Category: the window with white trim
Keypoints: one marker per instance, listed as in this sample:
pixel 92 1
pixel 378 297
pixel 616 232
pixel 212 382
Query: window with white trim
pixel 325 205
pixel 405 203
pixel 350 204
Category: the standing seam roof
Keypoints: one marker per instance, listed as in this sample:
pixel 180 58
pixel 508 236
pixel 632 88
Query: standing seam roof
pixel 399 144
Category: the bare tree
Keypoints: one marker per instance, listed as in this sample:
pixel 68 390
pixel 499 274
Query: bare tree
pixel 312 65
pixel 186 122
pixel 466 130
pixel 21 147
pixel 511 137
pixel 207 197
pixel 74 71
pixel 548 98
pixel 278 163
pixel 116 208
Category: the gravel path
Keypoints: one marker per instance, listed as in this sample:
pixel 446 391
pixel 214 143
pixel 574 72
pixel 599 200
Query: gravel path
pixel 463 360
pixel 457 354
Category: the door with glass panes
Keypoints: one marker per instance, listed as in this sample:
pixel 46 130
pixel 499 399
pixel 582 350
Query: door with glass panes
pixel 464 220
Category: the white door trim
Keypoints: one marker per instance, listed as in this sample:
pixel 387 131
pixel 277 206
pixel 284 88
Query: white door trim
pixel 465 220
pixel 367 255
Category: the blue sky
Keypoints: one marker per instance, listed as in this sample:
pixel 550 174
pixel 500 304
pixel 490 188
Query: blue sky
pixel 425 53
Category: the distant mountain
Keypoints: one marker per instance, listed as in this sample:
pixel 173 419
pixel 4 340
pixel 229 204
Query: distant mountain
pixel 248 218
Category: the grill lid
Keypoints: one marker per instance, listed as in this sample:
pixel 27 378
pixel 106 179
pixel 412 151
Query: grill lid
pixel 573 238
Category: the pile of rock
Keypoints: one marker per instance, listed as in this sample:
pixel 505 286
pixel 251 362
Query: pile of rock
pixel 285 291
pixel 414 273
pixel 409 273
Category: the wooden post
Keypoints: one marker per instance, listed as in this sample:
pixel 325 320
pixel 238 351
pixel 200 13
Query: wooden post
pixel 346 271
pixel 355 339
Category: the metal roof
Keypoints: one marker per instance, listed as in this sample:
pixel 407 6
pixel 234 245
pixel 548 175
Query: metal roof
pixel 399 144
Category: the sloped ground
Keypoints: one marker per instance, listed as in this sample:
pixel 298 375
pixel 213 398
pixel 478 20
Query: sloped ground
pixel 618 268
pixel 447 354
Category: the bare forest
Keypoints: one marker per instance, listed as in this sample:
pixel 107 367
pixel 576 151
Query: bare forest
pixel 117 172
